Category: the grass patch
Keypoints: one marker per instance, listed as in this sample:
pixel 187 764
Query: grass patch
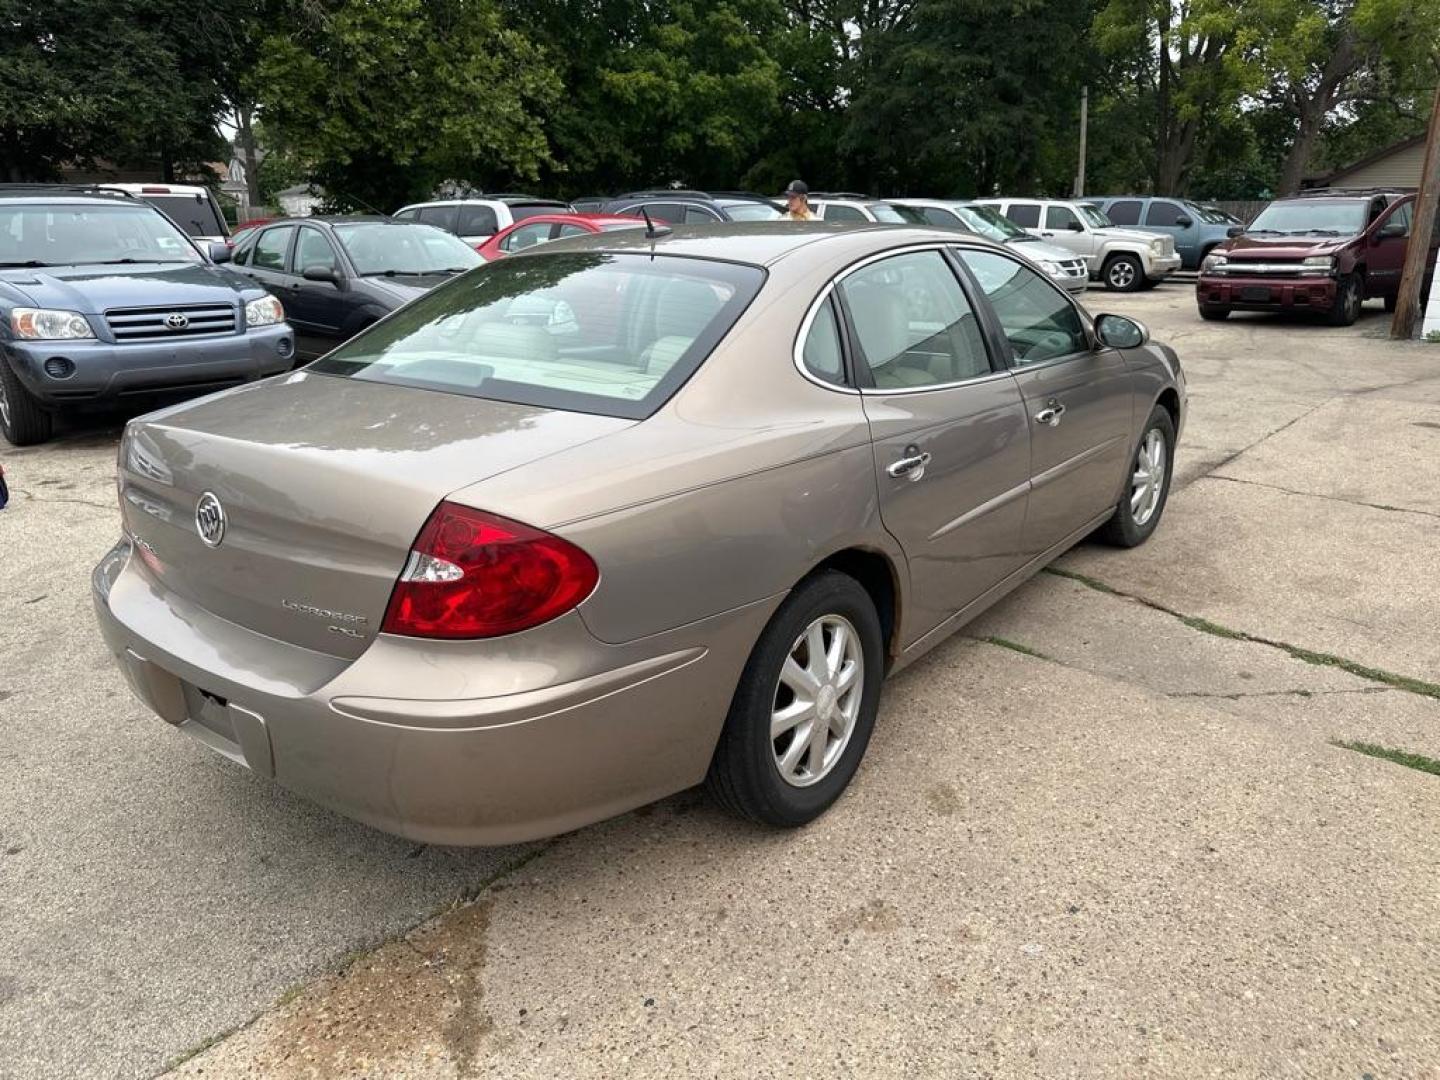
pixel 1014 646
pixel 1400 757
pixel 1309 656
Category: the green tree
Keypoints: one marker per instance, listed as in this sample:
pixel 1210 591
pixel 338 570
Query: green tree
pixel 129 81
pixel 390 97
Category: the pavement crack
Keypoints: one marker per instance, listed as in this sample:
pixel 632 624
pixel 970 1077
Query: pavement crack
pixel 1315 495
pixel 1241 696
pixel 31 497
pixel 1299 652
pixel 1268 435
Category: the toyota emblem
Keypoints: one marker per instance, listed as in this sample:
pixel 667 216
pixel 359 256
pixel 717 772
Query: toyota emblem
pixel 177 321
pixel 210 520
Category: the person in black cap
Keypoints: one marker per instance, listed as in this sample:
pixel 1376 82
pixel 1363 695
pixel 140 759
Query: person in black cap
pixel 797 202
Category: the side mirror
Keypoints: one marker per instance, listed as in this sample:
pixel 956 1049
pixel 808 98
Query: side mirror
pixel 1393 228
pixel 219 253
pixel 1184 222
pixel 1120 332
pixel 1235 230
pixel 321 272
pixel 1075 226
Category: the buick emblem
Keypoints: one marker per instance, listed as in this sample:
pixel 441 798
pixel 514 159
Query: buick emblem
pixel 210 520
pixel 177 321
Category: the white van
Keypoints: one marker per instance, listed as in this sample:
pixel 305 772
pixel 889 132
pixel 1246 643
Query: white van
pixel 191 206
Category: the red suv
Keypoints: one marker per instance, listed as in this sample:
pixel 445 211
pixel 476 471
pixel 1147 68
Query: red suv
pixel 1324 251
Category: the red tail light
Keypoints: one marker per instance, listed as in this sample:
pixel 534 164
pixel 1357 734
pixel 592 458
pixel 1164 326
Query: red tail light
pixel 476 575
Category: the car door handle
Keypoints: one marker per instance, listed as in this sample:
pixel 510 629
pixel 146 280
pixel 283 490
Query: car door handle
pixel 912 465
pixel 1050 414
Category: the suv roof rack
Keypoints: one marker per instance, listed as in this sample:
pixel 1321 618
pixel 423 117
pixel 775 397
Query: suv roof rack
pixel 1330 192
pixel 665 193
pixel 61 189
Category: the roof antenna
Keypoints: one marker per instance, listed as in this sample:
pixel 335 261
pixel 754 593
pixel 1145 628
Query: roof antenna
pixel 653 231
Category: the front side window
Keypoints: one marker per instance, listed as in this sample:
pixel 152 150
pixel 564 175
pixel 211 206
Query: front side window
pixel 571 230
pixel 1124 212
pixel 1061 218
pixel 1038 320
pixel 527 236
pixel 34 234
pixel 915 326
pixel 696 215
pixel 477 221
pixel 585 331
pixel 391 249
pixel 1026 215
pixel 822 355
pixel 271 247
pixel 1163 215
pixel 1403 216
pixel 312 249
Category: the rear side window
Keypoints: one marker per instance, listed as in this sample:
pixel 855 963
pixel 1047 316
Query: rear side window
pixel 1026 215
pixel 822 355
pixel 1164 215
pixel 1124 212
pixel 914 325
pixel 271 247
pixel 584 331
pixel 936 216
pixel 838 212
pixel 442 217
pixel 477 221
pixel 527 236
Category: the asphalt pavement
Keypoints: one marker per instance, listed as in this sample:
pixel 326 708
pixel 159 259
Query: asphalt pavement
pixel 1107 831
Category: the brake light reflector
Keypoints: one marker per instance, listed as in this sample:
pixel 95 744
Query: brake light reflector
pixel 477 575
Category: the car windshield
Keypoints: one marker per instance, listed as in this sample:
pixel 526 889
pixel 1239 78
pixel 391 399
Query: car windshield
pixel 1336 217
pixel 1212 215
pixel 751 211
pixel 89 233
pixel 887 213
pixel 193 213
pixel 395 248
pixel 1094 216
pixel 990 223
pixel 584 331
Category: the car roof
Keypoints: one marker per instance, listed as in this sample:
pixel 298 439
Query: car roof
pixel 764 243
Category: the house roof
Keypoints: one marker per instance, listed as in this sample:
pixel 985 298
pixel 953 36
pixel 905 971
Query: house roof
pixel 1378 155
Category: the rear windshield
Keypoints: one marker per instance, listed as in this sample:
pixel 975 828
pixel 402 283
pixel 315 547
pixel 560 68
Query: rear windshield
pixel 193 213
pixel 586 331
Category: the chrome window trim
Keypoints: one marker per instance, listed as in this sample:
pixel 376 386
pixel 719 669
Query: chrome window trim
pixel 798 349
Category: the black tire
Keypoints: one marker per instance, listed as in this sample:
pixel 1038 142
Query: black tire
pixel 744 776
pixel 1123 273
pixel 1214 314
pixel 1349 296
pixel 1122 530
pixel 22 421
pixel 1393 300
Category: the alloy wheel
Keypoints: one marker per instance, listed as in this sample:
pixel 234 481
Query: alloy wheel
pixel 1121 274
pixel 817 700
pixel 1148 482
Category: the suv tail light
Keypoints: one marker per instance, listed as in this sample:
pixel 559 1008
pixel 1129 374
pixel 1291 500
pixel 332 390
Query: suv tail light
pixel 476 575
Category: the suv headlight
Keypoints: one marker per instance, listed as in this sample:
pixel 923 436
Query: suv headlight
pixel 1157 245
pixel 1319 262
pixel 1054 269
pixel 42 324
pixel 1213 264
pixel 267 311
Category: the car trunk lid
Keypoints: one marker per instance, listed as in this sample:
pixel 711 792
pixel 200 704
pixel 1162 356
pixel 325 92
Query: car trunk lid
pixel 323 484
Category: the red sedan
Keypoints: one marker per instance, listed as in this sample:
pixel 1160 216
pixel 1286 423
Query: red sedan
pixel 543 228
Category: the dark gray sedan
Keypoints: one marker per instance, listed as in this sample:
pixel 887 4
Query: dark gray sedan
pixel 337 275
pixel 596 523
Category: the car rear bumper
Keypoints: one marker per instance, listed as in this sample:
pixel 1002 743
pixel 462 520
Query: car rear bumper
pixel 81 371
pixel 1268 293
pixel 525 754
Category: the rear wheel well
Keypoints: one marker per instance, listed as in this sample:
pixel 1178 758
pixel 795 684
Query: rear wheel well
pixel 876 575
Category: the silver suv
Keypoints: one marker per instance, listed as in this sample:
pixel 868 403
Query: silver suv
pixel 1124 259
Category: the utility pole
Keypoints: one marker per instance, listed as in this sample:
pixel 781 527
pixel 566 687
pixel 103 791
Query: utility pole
pixel 1084 132
pixel 1409 303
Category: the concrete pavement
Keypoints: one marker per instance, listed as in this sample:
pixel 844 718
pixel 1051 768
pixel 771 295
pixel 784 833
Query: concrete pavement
pixel 1103 834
